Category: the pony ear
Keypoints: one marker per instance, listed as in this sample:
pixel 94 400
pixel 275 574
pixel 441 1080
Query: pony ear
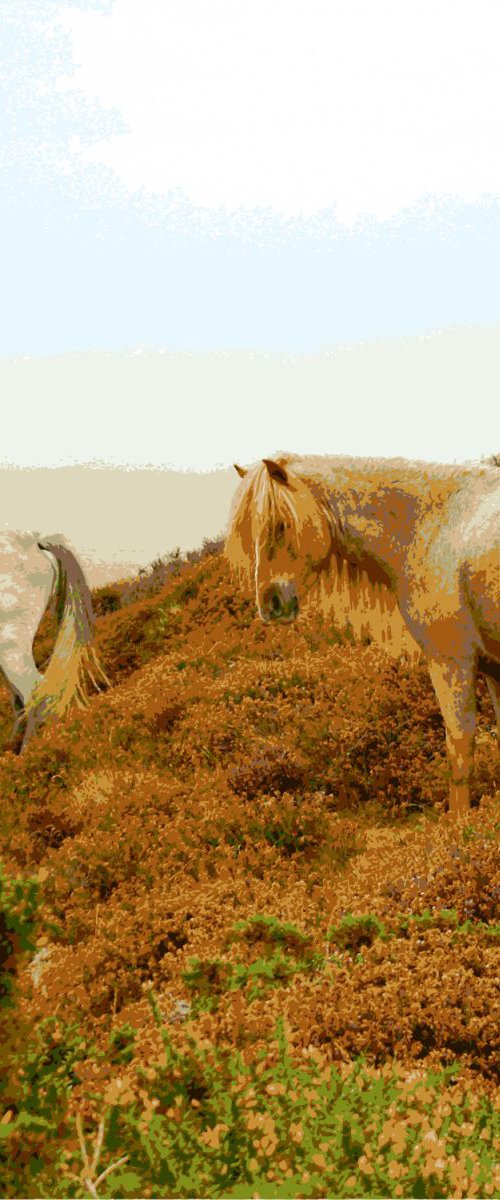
pixel 276 471
pixel 241 470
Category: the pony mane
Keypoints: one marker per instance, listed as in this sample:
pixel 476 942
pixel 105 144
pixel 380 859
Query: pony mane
pixel 258 500
pixel 356 593
pixel 355 589
pixel 359 599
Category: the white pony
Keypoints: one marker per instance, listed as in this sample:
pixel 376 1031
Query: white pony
pixel 31 568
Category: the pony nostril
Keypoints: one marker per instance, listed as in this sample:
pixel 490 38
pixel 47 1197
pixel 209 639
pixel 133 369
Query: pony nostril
pixel 276 604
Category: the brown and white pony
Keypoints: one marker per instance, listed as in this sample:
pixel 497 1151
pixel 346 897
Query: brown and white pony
pixel 409 552
pixel 30 569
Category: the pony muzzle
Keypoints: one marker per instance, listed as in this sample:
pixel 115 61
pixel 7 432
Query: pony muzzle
pixel 279 603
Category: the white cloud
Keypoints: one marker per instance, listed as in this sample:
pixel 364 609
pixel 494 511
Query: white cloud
pixel 365 106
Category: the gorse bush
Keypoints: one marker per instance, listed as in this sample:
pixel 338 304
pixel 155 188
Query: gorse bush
pixel 18 913
pixel 208 1123
pixel 274 951
pixel 36 1077
pixel 37 1127
pixel 355 932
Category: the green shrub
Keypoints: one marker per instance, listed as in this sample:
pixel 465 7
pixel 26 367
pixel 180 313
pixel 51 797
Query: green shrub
pixel 18 912
pixel 210 1124
pixel 355 932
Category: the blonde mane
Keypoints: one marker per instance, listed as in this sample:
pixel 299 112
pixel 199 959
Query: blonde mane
pixel 356 593
pixel 259 504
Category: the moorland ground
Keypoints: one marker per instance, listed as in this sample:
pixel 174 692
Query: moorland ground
pixel 243 948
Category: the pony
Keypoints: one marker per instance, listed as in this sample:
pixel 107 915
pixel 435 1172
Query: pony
pixel 32 569
pixel 409 552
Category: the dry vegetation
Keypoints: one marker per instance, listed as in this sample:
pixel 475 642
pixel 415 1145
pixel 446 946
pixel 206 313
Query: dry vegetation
pixel 259 958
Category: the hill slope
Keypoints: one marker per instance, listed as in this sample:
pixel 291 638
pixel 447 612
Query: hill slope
pixel 247 828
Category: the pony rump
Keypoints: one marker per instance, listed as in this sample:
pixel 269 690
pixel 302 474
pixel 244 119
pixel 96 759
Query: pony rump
pixel 73 658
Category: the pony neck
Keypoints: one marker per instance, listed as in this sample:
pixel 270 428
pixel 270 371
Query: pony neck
pixel 371 515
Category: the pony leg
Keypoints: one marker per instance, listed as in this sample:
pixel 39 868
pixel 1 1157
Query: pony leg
pixel 19 669
pixel 454 685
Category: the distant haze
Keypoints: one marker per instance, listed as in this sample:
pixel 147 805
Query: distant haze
pixel 118 520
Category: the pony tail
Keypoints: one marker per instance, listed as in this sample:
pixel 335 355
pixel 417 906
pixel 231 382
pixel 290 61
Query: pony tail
pixel 73 657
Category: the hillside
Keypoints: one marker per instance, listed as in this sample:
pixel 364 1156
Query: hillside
pixel 265 957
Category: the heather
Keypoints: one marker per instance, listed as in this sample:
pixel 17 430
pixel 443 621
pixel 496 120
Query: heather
pixel 243 949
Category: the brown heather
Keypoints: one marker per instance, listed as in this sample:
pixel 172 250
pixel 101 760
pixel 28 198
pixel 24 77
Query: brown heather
pixel 234 772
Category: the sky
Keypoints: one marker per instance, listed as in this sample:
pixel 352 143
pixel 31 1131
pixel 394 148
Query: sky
pixel 308 181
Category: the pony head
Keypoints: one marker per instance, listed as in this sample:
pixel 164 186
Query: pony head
pixel 280 536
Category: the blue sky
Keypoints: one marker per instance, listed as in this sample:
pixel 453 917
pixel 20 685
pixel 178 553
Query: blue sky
pixel 76 279
pixel 280 176
pixel 94 257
